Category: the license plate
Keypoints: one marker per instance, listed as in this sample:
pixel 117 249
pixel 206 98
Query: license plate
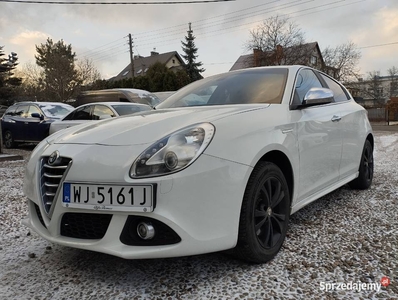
pixel 110 197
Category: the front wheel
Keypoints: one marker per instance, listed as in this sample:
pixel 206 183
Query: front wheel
pixel 365 176
pixel 264 214
pixel 8 140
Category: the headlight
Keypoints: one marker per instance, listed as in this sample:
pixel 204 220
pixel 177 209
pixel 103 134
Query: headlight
pixel 174 152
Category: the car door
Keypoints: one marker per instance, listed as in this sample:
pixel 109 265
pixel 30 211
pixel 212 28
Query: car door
pixel 18 129
pixel 35 129
pixel 319 138
pixel 352 139
pixel 80 115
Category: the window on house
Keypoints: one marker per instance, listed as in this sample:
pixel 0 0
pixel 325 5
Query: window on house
pixel 174 61
pixel 146 69
pixel 139 71
pixel 313 60
pixel 125 73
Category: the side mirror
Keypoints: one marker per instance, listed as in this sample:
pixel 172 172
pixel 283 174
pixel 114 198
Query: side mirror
pixel 317 96
pixel 37 115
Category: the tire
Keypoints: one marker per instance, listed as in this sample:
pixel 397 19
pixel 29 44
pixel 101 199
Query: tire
pixel 264 215
pixel 365 177
pixel 8 140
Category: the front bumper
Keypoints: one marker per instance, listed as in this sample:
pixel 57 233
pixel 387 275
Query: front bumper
pixel 201 204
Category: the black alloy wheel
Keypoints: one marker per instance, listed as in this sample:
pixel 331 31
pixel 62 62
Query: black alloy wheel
pixel 264 214
pixel 365 176
pixel 8 140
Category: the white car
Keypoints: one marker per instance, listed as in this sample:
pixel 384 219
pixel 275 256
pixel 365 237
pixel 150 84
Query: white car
pixel 183 180
pixel 97 111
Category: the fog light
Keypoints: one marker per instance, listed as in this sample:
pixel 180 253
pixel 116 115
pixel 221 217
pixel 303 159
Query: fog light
pixel 145 231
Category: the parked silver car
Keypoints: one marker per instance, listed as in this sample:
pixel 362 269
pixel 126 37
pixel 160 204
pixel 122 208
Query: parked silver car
pixel 97 111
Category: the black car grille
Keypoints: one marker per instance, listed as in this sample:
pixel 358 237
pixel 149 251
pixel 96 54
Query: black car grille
pixel 85 225
pixel 50 179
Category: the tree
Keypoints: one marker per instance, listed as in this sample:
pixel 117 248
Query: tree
pixel 375 89
pixel 271 41
pixel 393 73
pixel 61 78
pixel 344 58
pixel 32 87
pixel 87 72
pixel 8 82
pixel 193 68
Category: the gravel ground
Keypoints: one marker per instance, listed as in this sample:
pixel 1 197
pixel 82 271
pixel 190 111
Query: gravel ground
pixel 346 237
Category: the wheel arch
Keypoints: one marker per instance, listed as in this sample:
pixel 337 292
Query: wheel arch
pixel 282 161
pixel 370 138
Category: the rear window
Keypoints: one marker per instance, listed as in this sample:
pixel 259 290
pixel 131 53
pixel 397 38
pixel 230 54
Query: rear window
pixel 55 110
pixel 123 110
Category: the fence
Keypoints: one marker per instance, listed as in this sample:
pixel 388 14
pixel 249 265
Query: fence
pixel 382 116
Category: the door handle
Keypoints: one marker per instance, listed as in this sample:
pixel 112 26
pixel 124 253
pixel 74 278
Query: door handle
pixel 336 118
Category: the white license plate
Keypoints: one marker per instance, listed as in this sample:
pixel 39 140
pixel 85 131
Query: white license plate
pixel 108 197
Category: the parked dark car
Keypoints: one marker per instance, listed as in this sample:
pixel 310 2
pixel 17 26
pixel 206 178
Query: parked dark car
pixel 29 122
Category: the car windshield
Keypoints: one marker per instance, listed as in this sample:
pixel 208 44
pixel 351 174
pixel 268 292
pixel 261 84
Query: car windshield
pixel 129 109
pixel 54 110
pixel 144 98
pixel 242 87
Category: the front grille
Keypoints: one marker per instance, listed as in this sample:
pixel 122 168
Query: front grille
pixel 85 225
pixel 50 179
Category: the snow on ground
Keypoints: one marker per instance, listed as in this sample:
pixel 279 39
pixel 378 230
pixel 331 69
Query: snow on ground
pixel 347 237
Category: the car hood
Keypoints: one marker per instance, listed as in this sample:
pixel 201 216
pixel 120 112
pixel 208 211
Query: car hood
pixel 146 127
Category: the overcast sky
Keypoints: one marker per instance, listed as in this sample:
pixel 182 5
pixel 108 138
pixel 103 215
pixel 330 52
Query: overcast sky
pixel 99 32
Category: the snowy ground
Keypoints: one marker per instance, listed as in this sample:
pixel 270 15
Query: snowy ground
pixel 345 237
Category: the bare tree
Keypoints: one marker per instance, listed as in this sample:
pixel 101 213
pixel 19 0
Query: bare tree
pixel 87 72
pixel 344 58
pixel 374 89
pixel 32 81
pixel 393 73
pixel 272 38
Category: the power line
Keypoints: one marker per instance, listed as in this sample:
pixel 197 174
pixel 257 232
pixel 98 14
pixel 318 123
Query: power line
pixel 92 50
pixel 199 21
pixel 253 22
pixel 113 3
pixel 379 45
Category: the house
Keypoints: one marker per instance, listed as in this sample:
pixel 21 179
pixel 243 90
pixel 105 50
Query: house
pixel 374 91
pixel 306 54
pixel 141 64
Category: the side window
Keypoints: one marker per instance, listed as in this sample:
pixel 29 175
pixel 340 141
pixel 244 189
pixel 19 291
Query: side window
pixel 338 92
pixel 33 109
pixel 306 79
pixel 22 111
pixel 102 112
pixel 10 112
pixel 83 113
pixel 70 116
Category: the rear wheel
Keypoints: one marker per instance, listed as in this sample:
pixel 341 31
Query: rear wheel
pixel 365 177
pixel 8 140
pixel 264 214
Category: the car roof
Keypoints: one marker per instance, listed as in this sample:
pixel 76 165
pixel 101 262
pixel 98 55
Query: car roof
pixel 40 103
pixel 113 103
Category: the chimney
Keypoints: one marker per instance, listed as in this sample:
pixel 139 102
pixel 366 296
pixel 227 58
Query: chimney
pixel 257 57
pixel 153 53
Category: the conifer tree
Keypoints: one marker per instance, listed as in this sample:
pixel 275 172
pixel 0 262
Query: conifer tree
pixel 193 68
